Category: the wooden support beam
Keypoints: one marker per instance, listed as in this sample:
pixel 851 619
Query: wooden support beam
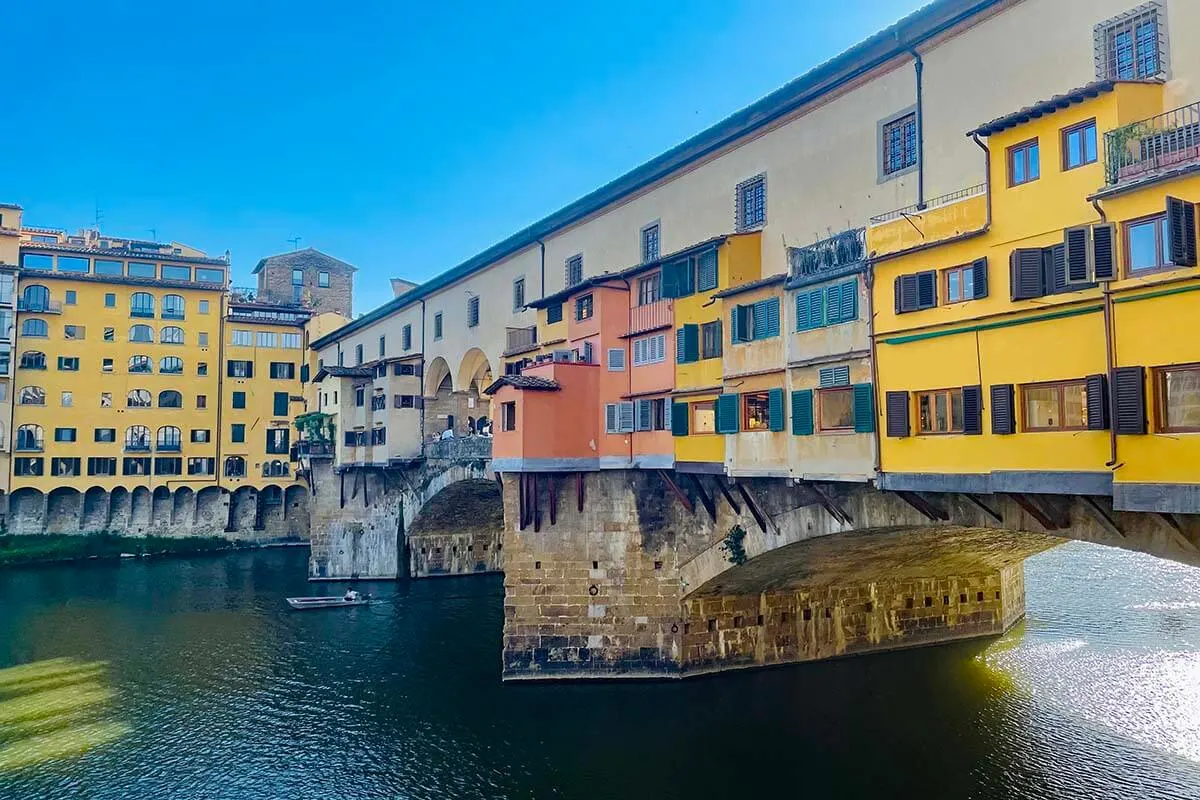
pixel 552 480
pixel 755 511
pixel 342 497
pixel 984 507
pixel 579 490
pixel 1096 512
pixel 737 509
pixel 830 504
pixel 537 508
pixel 679 493
pixel 1032 509
pixel 521 521
pixel 923 506
pixel 366 478
pixel 709 505
pixel 354 488
pixel 1177 533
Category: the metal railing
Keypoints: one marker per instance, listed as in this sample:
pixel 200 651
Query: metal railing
pixel 1168 140
pixel 650 316
pixel 321 448
pixel 940 200
pixel 39 306
pixel 460 448
pixel 839 250
pixel 243 294
pixel 520 339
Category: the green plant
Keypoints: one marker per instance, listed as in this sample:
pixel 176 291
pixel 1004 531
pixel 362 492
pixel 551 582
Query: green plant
pixel 1117 152
pixel 313 426
pixel 735 551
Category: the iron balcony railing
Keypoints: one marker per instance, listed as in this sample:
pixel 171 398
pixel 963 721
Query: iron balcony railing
pixel 651 316
pixel 834 252
pixel 940 200
pixel 243 294
pixel 322 448
pixel 520 339
pixel 39 306
pixel 379 402
pixel 1144 147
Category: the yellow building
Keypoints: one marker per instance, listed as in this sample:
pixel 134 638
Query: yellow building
pixel 1037 339
pixel 10 237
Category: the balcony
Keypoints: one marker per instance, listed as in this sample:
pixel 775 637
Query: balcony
pixel 651 317
pixel 1148 147
pixel 828 257
pixel 943 217
pixel 320 448
pixel 34 306
pixel 520 340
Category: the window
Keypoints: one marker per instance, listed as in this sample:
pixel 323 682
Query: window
pixel 64 434
pixel 277 440
pixel 104 434
pixel 240 369
pixel 650 289
pixel 1023 163
pixel 74 332
pixel 290 341
pixel 1079 145
pixel 959 283
pixel 68 363
pixel 237 432
pixel 169 438
pixel 835 409
pixel 554 313
pixel 134 465
pixel 265 339
pixel 138 398
pixel 940 411
pixel 36 261
pixel 650 350
pixel 141 304
pixel 110 300
pixel 358 354
pixel 201 436
pixel 202 339
pixel 1130 46
pixel 34 327
pixel 1060 406
pixel 404 401
pixel 140 364
pixel 519 293
pixel 359 396
pixel 66 399
pixel 107 267
pixel 137 437
pixel 616 359
pixel 203 307
pixel 32 359
pixel 35 298
pixel 110 334
pixel 297 277
pixel 170 399
pixel 102 465
pixel 235 467
pixel 172 307
pixel 574 270
pixel 1178 393
pixel 756 415
pixel 139 269
pixel 916 291
pixel 170 365
pixel 704 417
pixel 29 437
pixel 437 326
pixel 898 144
pixel 1147 244
pixel 31 396
pixel 583 307
pixel 508 416
pixel 277 469
pixel 283 370
pixel 406 337
pixel 323 279
pixel 201 466
pixel 106 365
pixel 404 369
pixel 759 320
pixel 472 312
pixel 279 403
pixel 239 399
pixel 28 466
pixel 64 466
pixel 618 417
pixel 650 241
pixel 141 333
pixel 70 297
pixel 74 264
pixel 106 399
pixel 210 275
pixel 751 201
pixel 241 338
pixel 177 273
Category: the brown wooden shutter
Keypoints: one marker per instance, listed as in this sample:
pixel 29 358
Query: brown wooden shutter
pixel 896 404
pixel 1003 418
pixel 1104 251
pixel 1129 399
pixel 979 277
pixel 1077 242
pixel 926 289
pixel 1025 268
pixel 898 285
pixel 1181 232
pixel 907 294
pixel 972 409
pixel 1097 402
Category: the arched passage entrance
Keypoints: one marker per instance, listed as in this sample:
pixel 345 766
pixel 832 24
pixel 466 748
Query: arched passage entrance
pixel 474 375
pixel 458 530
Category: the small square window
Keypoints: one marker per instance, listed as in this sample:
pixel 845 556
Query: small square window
pixel 70 297
pixel 202 369
pixel 898 144
pixel 323 280
pixel 68 399
pixel 202 339
pixel 203 306
pixel 110 334
pixel 201 401
pixel 237 432
pixel 1131 46
pixel 1079 145
pixel 106 365
pixel 574 270
pixel 110 300
pixel 650 243
pixel 751 200
pixel 239 399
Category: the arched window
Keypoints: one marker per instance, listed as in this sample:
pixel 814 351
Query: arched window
pixel 275 469
pixel 29 437
pixel 35 327
pixel 138 398
pixel 169 438
pixel 32 359
pixel 35 297
pixel 172 307
pixel 140 364
pixel 141 333
pixel 235 467
pixel 32 396
pixel 171 335
pixel 137 437
pixel 170 365
pixel 141 304
pixel 170 399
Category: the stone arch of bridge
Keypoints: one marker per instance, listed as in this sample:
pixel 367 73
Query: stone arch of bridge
pixel 437 378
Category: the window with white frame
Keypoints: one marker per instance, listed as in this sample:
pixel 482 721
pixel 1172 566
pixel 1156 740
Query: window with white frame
pixel 242 338
pixel 290 340
pixel 650 350
pixel 650 242
pixel 265 339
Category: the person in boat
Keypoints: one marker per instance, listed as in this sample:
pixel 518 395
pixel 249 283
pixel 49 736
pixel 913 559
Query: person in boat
pixel 350 596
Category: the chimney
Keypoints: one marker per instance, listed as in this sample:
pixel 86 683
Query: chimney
pixel 400 286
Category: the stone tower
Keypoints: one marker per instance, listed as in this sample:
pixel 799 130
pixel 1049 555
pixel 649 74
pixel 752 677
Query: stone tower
pixel 307 278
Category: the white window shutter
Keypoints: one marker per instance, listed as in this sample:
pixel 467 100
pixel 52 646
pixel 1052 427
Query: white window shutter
pixel 625 413
pixel 667 413
pixel 611 423
pixel 616 359
pixel 643 415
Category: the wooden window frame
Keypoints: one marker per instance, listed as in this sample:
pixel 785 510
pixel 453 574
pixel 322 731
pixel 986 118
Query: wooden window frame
pixel 1022 147
pixel 579 305
pixel 765 396
pixel 932 393
pixel 820 402
pixel 1164 263
pixel 692 408
pixel 944 279
pixel 505 409
pixel 1066 132
pixel 717 338
pixel 650 287
pixel 1060 386
pixel 1160 397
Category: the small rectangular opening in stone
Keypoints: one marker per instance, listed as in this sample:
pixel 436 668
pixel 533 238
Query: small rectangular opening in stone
pixel 712 625
pixel 997 595
pixel 470 548
pixel 871 606
pixel 687 628
pixel 760 620
pixel 738 622
pixel 908 603
pixel 783 617
pixel 945 599
pixel 928 601
pixel 595 565
pixel 807 614
pixel 828 614
pixel 979 596
pixel 962 598
pixel 658 565
pixel 537 565
pixel 437 551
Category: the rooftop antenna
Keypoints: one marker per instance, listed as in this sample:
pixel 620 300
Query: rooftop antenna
pixel 295 240
pixel 153 234
pixel 99 217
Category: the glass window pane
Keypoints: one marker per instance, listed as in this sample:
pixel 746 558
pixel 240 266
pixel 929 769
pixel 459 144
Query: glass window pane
pixel 1143 247
pixel 138 269
pixel 1018 166
pixel 968 283
pixel 953 287
pixel 1074 148
pixel 1164 252
pixel 1182 398
pixel 956 411
pixel 923 413
pixel 104 267
pixel 941 420
pixel 210 275
pixel 1074 406
pixel 1089 143
pixel 1034 167
pixel 36 261
pixel 1041 407
pixel 73 264
pixel 176 273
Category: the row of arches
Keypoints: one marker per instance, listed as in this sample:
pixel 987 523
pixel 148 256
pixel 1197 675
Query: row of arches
pixel 135 398
pixel 169 334
pixel 36 297
pixel 138 364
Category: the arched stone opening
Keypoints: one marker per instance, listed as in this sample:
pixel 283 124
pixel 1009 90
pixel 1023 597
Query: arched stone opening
pixel 95 510
pixel 270 511
pixel 295 510
pixel 243 510
pixel 211 510
pixel 63 509
pixel 458 530
pixel 120 508
pixel 26 510
pixel 475 375
pixel 162 508
pixel 183 507
pixel 141 504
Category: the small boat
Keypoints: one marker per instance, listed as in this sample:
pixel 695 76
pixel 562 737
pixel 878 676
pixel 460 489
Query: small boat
pixel 306 603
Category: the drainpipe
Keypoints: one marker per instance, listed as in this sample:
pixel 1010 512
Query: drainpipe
pixel 919 67
pixel 422 418
pixel 1110 355
pixel 542 288
pixel 987 180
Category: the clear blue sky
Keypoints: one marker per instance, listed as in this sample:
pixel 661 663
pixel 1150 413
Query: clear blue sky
pixel 400 137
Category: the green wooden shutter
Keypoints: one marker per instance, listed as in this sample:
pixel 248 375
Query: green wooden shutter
pixel 802 412
pixel 832 296
pixel 281 404
pixel 802 320
pixel 680 349
pixel 864 408
pixel 816 309
pixel 849 301
pixel 734 328
pixel 760 320
pixel 679 419
pixel 670 279
pixel 775 407
pixel 691 343
pixel 727 413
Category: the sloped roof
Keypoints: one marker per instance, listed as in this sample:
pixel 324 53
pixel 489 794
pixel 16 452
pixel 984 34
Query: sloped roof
pixel 334 371
pixel 532 382
pixel 308 257
pixel 750 285
pixel 1043 107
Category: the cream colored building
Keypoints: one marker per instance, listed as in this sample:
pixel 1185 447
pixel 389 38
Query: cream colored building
pixel 877 130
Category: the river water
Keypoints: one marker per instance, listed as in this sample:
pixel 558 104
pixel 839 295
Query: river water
pixel 190 679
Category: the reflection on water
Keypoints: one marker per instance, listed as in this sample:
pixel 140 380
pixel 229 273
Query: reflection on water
pixel 191 679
